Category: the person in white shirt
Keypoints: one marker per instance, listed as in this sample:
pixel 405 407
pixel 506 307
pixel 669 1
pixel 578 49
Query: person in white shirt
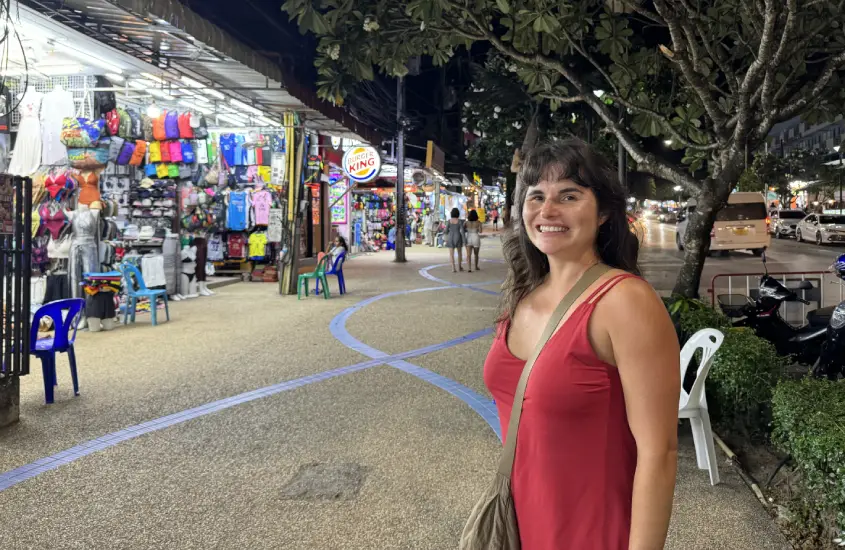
pixel 428 228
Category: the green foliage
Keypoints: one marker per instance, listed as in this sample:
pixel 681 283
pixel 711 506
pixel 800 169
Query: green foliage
pixel 749 181
pixel 809 423
pixel 702 316
pixel 741 380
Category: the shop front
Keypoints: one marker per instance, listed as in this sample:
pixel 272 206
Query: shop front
pixel 167 169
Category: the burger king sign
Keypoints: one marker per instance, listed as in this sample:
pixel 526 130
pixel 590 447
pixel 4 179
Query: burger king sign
pixel 362 164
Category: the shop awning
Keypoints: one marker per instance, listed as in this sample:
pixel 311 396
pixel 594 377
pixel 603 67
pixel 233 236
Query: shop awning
pixel 173 38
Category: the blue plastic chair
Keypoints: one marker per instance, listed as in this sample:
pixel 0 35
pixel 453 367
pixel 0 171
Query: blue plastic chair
pixel 136 289
pixel 64 335
pixel 337 271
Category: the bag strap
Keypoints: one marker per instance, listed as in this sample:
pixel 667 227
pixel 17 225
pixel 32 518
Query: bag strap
pixel 509 451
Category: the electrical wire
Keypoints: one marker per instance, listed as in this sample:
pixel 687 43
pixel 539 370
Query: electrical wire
pixel 6 45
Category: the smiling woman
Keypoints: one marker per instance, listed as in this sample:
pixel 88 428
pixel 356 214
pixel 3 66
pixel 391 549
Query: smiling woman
pixel 595 423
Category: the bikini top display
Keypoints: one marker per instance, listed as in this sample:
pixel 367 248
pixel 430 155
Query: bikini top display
pixel 53 221
pixel 59 249
pixel 55 184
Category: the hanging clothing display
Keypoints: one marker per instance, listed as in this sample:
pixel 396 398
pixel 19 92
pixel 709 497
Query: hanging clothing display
pixel 56 106
pixel 84 252
pixel 26 157
pixel 261 203
pixel 238 212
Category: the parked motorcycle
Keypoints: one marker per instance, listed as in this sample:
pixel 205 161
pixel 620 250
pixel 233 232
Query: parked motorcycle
pixel 820 342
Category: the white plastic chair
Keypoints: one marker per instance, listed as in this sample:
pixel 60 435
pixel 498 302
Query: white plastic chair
pixel 693 405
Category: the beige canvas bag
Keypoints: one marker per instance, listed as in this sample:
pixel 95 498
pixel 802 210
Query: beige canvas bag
pixel 492 523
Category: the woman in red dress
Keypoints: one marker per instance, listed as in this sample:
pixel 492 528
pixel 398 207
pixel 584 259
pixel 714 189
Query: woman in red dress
pixel 596 452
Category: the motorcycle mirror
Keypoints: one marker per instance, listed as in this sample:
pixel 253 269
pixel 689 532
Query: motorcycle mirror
pixel 763 256
pixel 805 285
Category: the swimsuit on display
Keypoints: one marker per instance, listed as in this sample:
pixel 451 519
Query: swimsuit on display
pixel 89 189
pixel 55 184
pixel 54 222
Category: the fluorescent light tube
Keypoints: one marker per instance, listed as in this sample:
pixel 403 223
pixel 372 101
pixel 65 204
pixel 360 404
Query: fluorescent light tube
pixel 244 106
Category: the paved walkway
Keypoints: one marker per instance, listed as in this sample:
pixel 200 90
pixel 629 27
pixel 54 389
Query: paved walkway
pixel 257 421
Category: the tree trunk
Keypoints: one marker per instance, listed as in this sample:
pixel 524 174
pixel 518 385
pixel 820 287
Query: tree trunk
pixel 696 245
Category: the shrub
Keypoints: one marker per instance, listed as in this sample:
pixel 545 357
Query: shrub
pixel 696 319
pixel 809 424
pixel 743 376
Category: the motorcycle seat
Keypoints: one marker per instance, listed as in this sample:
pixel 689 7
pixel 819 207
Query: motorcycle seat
pixel 820 317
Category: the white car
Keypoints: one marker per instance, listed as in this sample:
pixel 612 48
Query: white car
pixel 821 229
pixel 741 225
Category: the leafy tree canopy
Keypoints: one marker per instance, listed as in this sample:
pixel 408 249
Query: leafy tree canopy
pixel 711 76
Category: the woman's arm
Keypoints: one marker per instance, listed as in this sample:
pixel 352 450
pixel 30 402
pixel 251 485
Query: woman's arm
pixel 648 359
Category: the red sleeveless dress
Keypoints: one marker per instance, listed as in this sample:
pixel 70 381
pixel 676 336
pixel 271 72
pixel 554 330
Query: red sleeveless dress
pixel 573 475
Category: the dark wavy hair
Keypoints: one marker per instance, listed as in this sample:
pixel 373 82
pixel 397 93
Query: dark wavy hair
pixel 455 213
pixel 473 216
pixel 574 160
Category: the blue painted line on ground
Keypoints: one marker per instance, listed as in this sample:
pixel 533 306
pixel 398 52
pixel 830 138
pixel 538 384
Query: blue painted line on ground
pixel 42 465
pixel 480 404
pixel 483 406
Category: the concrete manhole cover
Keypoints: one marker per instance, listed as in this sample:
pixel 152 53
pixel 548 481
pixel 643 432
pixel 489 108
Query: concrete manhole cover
pixel 325 482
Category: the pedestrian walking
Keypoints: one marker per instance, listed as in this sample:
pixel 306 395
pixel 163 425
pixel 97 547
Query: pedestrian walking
pixel 428 228
pixel 473 239
pixel 495 215
pixel 595 431
pixel 391 238
pixel 455 238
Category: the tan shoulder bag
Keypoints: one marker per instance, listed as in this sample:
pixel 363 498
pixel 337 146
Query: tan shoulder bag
pixel 492 523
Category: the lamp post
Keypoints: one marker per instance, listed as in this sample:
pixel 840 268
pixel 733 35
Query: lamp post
pixel 678 190
pixel 838 149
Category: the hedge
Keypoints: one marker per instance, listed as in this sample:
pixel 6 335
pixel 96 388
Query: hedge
pixel 744 372
pixel 809 424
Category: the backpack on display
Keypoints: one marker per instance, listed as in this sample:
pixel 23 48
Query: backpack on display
pixel 158 127
pixel 147 123
pixel 187 153
pixel 104 101
pixel 155 151
pixel 150 170
pixel 199 126
pixel 126 153
pixel 173 170
pixel 125 130
pixel 112 122
pixel 115 146
pixel 137 125
pixel 165 151
pixel 138 155
pixel 161 170
pixel 171 125
pixel 175 151
pixel 185 130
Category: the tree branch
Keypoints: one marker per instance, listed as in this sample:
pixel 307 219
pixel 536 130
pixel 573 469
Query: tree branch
pixel 698 85
pixel 648 14
pixel 562 99
pixel 589 58
pixel 797 105
pixel 764 52
pixel 665 123
pixel 646 161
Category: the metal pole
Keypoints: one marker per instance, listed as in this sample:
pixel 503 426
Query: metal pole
pixel 400 171
pixel 622 156
pixel 840 183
